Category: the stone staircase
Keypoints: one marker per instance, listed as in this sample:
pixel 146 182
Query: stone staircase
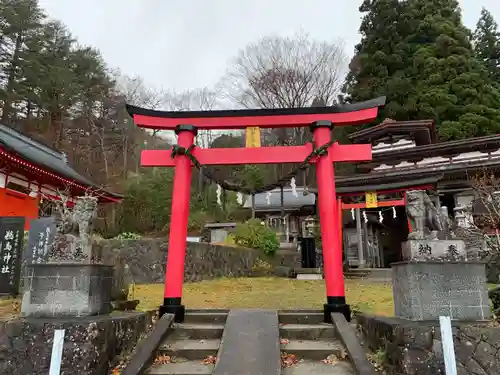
pixel 251 341
pixel 192 347
pixel 309 346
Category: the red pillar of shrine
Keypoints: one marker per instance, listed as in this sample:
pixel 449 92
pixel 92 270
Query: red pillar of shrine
pixel 329 222
pixel 174 275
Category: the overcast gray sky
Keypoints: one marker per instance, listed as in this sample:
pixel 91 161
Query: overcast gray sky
pixel 187 44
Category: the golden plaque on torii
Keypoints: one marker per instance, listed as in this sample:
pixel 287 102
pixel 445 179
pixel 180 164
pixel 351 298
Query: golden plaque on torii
pixel 371 199
pixel 252 136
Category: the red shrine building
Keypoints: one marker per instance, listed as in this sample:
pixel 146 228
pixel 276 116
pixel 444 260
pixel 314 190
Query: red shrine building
pixel 33 176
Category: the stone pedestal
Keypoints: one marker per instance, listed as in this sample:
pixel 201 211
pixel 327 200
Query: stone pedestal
pixel 428 289
pixel 425 249
pixel 67 290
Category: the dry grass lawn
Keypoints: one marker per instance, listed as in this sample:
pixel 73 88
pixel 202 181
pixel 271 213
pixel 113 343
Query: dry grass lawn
pixel 271 292
pixel 258 292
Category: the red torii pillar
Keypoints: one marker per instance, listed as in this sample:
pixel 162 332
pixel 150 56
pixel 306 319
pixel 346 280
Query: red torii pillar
pixel 321 122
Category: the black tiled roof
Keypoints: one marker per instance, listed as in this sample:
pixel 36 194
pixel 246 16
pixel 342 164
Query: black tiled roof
pixel 42 156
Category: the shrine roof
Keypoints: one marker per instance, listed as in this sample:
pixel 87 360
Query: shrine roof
pixel 423 131
pixel 482 144
pixel 408 177
pixel 43 157
pixel 290 202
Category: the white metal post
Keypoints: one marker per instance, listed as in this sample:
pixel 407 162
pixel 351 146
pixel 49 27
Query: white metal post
pixel 450 363
pixel 57 350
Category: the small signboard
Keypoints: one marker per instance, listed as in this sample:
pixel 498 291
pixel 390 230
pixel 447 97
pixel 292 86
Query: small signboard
pixel 11 245
pixel 41 236
pixel 252 136
pixel 371 199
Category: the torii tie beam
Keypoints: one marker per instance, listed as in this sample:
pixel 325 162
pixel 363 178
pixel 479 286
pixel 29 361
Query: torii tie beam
pixel 321 121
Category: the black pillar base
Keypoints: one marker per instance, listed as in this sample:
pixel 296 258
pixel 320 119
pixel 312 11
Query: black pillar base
pixel 173 306
pixel 336 305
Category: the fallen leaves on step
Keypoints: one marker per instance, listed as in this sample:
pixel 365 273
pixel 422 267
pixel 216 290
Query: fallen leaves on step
pixel 117 370
pixel 331 359
pixel 210 360
pixel 284 341
pixel 288 360
pixel 335 358
pixel 162 360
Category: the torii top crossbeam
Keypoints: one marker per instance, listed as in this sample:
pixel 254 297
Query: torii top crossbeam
pixel 346 114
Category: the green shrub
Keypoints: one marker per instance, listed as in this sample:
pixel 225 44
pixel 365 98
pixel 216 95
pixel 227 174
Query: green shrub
pixel 255 235
pixel 128 236
pixel 230 240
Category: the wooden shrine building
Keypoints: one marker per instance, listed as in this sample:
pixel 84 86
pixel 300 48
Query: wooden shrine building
pixel 406 156
pixel 34 175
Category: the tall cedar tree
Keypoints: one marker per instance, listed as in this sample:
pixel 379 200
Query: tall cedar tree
pixel 380 58
pixel 452 86
pixel 487 44
pixel 432 71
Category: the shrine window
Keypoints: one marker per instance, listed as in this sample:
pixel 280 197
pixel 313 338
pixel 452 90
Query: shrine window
pixel 16 187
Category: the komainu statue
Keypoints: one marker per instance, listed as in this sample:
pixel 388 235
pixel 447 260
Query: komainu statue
pixel 425 219
pixel 72 240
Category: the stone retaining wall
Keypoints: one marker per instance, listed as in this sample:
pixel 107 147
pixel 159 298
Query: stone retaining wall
pixel 146 259
pixel 415 348
pixel 92 346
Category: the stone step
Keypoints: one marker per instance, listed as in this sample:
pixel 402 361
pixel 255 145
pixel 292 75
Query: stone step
pixel 309 367
pixel 308 271
pixel 313 349
pixel 189 349
pixel 198 331
pixel 182 368
pixel 205 317
pixel 356 275
pixel 307 331
pixel 301 317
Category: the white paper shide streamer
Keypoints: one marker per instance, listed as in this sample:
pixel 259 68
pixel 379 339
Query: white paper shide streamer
pixel 365 218
pixel 293 185
pixel 380 217
pixel 268 198
pixel 394 214
pixel 352 214
pixel 219 195
pixel 239 198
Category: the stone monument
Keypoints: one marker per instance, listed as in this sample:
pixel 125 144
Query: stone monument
pixel 436 277
pixel 69 282
pixel 11 243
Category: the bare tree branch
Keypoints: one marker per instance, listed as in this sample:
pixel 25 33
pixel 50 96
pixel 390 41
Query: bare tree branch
pixel 204 100
pixel 279 72
pixel 481 219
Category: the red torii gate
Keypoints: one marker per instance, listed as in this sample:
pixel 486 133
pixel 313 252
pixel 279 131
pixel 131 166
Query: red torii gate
pixel 320 120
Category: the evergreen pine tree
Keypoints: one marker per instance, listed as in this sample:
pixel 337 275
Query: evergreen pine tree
pixel 487 44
